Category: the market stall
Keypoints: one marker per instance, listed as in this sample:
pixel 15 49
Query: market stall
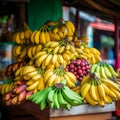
pixel 57 76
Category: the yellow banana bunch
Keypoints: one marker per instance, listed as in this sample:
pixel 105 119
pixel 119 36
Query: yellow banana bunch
pixel 99 91
pixel 70 27
pixel 6 87
pixel 33 50
pixel 19 52
pixel 23 35
pixel 92 54
pixel 35 85
pixel 41 36
pixel 53 76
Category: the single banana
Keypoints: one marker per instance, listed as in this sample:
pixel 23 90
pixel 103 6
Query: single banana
pixel 72 77
pixel 90 100
pixel 47 36
pixel 85 88
pixel 33 36
pixel 33 86
pixel 42 37
pixel 101 90
pixel 40 53
pixel 54 58
pixel 40 59
pixel 37 37
pixel 48 59
pixel 41 84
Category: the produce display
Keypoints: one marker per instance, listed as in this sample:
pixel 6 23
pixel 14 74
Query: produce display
pixel 55 67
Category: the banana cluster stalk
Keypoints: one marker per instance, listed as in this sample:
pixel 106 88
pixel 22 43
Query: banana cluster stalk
pixel 103 70
pixel 33 76
pixel 17 95
pixel 51 77
pixel 6 87
pixel 23 35
pixel 91 54
pixel 57 96
pixel 99 91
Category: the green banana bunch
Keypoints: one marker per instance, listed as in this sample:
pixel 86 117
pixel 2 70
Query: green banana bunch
pixel 56 96
pixel 103 70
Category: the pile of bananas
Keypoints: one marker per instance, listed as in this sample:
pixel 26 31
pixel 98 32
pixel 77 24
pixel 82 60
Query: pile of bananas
pixel 18 94
pixel 23 35
pixel 6 87
pixel 99 91
pixel 60 30
pixel 33 77
pixel 56 96
pixel 103 70
pixel 54 54
pixel 53 76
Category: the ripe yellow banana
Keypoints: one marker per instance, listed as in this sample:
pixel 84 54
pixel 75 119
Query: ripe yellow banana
pixel 54 58
pixel 33 36
pixel 40 59
pixel 71 25
pixel 42 37
pixel 29 53
pixel 22 35
pixel 34 50
pixel 33 86
pixel 61 49
pixel 48 59
pixel 85 88
pixel 36 77
pixel 17 38
pixel 38 48
pixel 60 59
pixel 55 50
pixel 18 50
pixel 50 81
pixel 40 53
pixel 37 37
pixel 41 84
pixel 90 100
pixel 72 77
pixel 28 69
pixel 60 33
pixel 47 36
pixel 48 74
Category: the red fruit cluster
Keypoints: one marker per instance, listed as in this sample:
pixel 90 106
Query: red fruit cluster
pixel 17 95
pixel 79 67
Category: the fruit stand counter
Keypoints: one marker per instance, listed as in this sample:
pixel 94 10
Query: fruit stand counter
pixel 30 111
pixel 86 112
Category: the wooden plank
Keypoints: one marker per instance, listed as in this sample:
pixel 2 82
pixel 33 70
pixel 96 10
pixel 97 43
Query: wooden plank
pixel 28 109
pixel 101 8
pixel 98 116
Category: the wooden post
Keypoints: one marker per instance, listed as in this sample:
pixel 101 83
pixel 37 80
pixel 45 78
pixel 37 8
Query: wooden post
pixel 77 24
pixel 116 50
